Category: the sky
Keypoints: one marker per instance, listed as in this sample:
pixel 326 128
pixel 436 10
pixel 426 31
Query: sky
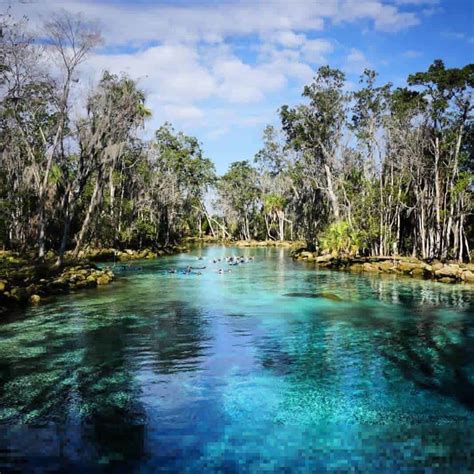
pixel 221 70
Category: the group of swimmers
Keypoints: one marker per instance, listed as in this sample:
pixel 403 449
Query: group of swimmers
pixel 187 271
pixel 232 260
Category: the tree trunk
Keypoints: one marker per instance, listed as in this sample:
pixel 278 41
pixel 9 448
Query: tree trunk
pixel 90 211
pixel 331 194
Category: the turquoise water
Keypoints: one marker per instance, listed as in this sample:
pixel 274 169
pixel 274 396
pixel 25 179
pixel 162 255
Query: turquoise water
pixel 274 367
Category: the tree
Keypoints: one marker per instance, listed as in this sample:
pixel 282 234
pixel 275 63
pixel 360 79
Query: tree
pixel 237 197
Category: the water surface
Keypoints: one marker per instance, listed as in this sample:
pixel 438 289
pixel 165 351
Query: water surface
pixel 274 367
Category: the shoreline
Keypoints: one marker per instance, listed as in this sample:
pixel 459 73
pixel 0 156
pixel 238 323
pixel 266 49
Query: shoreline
pixel 449 272
pixel 24 282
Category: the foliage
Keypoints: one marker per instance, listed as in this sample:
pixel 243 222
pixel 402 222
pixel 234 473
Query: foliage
pixel 340 239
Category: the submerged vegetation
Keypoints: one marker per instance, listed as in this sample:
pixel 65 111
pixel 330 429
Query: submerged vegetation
pixel 377 170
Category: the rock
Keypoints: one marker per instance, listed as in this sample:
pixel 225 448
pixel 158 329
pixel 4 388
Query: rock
pixel 323 258
pixel 409 267
pixel 306 255
pixel 447 280
pixel 59 283
pixel 436 266
pixel 19 294
pixel 3 285
pixel 103 280
pixel 386 266
pixel 369 267
pixel 35 299
pixel 448 271
pixel 31 289
pixel 468 276
pixel 419 271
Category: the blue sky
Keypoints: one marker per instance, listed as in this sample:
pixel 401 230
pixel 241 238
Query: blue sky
pixel 221 70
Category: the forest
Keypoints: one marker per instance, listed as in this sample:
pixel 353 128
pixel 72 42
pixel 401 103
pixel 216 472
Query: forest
pixel 367 169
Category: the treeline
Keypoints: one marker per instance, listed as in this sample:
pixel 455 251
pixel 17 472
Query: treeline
pixel 73 170
pixel 374 171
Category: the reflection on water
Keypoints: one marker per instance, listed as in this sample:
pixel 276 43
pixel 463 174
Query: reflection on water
pixel 273 366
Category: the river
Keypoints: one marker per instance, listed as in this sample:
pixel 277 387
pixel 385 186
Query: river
pixel 273 367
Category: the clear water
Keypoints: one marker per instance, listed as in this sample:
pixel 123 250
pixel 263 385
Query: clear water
pixel 274 367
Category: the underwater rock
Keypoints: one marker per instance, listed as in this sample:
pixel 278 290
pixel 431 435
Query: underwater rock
pixel 323 294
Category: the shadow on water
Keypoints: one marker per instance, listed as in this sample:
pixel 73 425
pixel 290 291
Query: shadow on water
pixel 81 404
pixel 418 336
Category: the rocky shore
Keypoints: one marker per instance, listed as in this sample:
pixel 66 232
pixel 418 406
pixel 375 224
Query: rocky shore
pixel 34 285
pixel 23 282
pixel 110 254
pixel 449 272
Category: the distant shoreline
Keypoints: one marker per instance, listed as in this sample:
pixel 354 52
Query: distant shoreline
pixel 448 272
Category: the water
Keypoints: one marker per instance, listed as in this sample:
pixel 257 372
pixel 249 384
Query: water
pixel 274 367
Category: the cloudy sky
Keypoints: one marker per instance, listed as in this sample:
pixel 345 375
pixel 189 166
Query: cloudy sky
pixel 220 70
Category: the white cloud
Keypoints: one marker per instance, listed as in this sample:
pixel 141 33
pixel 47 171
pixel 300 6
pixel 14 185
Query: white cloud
pixel 315 50
pixel 240 82
pixel 186 57
pixel 182 113
pixel 136 23
pixel 356 62
pixel 171 71
pixel 385 17
pixel 288 39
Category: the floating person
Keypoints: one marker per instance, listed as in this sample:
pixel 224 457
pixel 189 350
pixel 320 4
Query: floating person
pixel 187 270
pixel 171 270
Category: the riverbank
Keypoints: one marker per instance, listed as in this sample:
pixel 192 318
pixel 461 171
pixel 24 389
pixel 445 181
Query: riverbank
pixel 207 240
pixel 33 284
pixel 23 282
pixel 111 254
pixel 450 272
pixel 267 243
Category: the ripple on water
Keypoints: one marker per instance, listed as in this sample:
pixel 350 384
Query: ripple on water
pixel 274 366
